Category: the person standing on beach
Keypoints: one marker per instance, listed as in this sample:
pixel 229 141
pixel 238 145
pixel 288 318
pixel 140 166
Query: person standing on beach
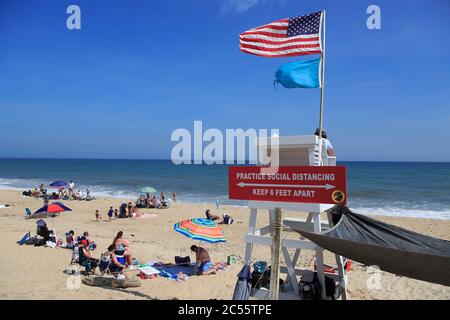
pixel 97 215
pixel 328 146
pixel 174 197
pixel 71 188
pixel 110 213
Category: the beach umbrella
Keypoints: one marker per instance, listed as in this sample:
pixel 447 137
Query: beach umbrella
pixel 49 211
pixel 200 229
pixel 147 190
pixel 58 184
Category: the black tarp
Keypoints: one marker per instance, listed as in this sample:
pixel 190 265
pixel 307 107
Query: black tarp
pixel 244 284
pixel 391 248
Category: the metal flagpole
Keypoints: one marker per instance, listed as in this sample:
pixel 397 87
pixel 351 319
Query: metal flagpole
pixel 322 74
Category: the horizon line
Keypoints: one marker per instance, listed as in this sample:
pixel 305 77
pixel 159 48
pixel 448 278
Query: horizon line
pixel 165 159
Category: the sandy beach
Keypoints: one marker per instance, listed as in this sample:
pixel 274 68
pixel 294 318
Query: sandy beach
pixel 28 272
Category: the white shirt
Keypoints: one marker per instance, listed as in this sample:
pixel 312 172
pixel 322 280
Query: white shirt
pixel 71 185
pixel 327 143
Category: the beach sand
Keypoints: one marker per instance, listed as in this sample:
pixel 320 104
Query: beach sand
pixel 28 272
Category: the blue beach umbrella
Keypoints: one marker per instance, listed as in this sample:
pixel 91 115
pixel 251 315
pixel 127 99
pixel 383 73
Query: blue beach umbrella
pixel 58 184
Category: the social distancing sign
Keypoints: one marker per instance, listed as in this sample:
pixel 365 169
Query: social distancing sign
pixel 288 184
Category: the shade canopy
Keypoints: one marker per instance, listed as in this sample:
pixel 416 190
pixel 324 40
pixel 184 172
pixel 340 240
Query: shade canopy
pixel 200 229
pixel 147 190
pixel 391 248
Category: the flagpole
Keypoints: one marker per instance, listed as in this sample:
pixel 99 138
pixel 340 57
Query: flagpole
pixel 322 75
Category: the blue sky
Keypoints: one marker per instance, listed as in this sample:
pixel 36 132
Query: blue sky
pixel 137 70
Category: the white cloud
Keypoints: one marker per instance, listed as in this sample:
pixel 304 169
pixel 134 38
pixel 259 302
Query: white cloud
pixel 239 6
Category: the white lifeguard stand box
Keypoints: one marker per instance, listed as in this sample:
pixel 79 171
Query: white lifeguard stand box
pixel 305 150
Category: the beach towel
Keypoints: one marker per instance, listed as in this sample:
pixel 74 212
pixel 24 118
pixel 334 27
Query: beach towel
pixel 147 215
pixel 172 271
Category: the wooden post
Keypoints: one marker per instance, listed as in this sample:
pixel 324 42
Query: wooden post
pixel 276 248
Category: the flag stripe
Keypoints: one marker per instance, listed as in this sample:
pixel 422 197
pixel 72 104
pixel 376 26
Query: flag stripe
pixel 272 26
pixel 278 34
pixel 278 48
pixel 278 41
pixel 275 55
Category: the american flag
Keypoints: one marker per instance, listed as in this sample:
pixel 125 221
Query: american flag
pixel 287 37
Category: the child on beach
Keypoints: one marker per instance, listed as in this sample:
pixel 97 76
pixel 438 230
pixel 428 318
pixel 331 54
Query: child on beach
pixel 174 197
pixel 97 215
pixel 116 213
pixel 110 213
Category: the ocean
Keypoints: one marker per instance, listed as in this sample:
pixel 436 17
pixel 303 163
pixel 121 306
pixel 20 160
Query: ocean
pixel 385 188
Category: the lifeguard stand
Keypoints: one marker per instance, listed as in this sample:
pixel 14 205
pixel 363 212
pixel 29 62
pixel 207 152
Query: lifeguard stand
pixel 307 150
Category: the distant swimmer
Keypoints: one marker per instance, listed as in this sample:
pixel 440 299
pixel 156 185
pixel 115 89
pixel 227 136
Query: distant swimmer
pixel 328 146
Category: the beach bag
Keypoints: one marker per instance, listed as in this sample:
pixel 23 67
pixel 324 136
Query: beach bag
pixel 309 287
pixel 257 280
pixel 259 270
pixel 183 261
pixel 332 288
pixel 260 266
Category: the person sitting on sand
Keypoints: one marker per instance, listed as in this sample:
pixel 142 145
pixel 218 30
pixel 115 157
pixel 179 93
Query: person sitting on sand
pixel 86 237
pixel 211 216
pixel 78 195
pixel 85 259
pixel 135 212
pixel 42 230
pixel 35 193
pixel 123 248
pixel 70 241
pixel 203 264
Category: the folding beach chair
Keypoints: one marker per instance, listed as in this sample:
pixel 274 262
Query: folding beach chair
pixel 24 238
pixel 106 263
pixel 74 265
pixel 27 213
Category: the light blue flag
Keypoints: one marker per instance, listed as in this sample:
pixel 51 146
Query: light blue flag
pixel 299 74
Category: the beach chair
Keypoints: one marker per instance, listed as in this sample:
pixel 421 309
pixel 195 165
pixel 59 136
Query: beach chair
pixel 24 238
pixel 106 263
pixel 27 213
pixel 74 265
